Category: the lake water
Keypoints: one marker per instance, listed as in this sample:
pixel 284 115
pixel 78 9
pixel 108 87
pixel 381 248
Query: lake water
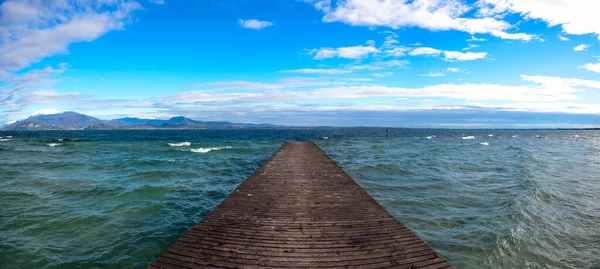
pixel 481 198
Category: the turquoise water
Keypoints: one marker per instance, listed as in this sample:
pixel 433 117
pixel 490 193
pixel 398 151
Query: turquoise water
pixel 482 198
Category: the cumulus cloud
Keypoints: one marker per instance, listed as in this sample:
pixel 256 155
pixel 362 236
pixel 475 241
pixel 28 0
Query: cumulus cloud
pixel 428 14
pixel 425 51
pixel 254 24
pixel 581 47
pixel 32 30
pixel 592 67
pixel 563 38
pixel 576 17
pixel 463 56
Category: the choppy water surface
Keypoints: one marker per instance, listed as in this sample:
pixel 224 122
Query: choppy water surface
pixel 482 198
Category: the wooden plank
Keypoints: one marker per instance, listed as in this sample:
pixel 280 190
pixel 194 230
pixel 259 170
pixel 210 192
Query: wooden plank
pixel 299 210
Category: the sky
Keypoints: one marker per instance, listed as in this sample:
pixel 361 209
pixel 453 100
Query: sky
pixel 393 63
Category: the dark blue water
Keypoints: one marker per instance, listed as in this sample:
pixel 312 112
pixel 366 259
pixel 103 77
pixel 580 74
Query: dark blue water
pixel 482 198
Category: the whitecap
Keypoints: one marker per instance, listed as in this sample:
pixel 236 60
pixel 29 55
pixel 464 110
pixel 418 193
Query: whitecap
pixel 490 135
pixel 54 144
pixel 430 137
pixel 4 139
pixel 484 143
pixel 60 139
pixel 325 137
pixel 468 137
pixel 206 150
pixel 514 136
pixel 182 144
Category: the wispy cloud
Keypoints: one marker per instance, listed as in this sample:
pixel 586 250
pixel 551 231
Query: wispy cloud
pixel 353 52
pixel 476 39
pixel 434 74
pixel 318 71
pixel 32 30
pixel 432 15
pixel 254 24
pixel 448 55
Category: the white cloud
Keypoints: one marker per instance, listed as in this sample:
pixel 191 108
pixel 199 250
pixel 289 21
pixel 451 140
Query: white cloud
pixel 254 24
pixel 563 38
pixel 581 47
pixel 13 86
pixel 434 74
pixel 428 14
pixel 463 56
pixel 293 82
pixel 396 52
pixel 318 71
pixel 538 89
pixel 47 111
pixel 476 39
pixel 381 75
pixel 353 52
pixel 158 2
pixel 380 65
pixel 471 46
pixel 576 17
pixel 453 69
pixel 425 51
pixel 448 55
pixel 32 30
pixel 592 67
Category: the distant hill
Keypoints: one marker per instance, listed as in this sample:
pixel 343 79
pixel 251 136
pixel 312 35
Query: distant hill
pixel 62 121
pixel 76 121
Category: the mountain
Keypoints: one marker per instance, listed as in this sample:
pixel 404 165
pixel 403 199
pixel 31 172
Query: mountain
pixel 75 121
pixel 61 121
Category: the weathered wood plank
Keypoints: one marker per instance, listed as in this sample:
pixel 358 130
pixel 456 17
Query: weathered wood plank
pixel 299 210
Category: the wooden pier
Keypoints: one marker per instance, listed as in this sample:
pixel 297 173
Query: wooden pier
pixel 300 210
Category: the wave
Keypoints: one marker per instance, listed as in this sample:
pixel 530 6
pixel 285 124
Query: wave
pixel 484 143
pixel 206 150
pixel 325 137
pixel 429 137
pixel 54 144
pixel 182 144
pixel 4 139
pixel 515 136
pixel 468 137
pixel 490 135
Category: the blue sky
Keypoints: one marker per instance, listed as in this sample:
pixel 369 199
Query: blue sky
pixel 419 63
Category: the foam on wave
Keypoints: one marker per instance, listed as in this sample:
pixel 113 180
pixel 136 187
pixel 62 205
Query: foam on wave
pixel 484 143
pixel 182 144
pixel 206 150
pixel 53 145
pixel 468 137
